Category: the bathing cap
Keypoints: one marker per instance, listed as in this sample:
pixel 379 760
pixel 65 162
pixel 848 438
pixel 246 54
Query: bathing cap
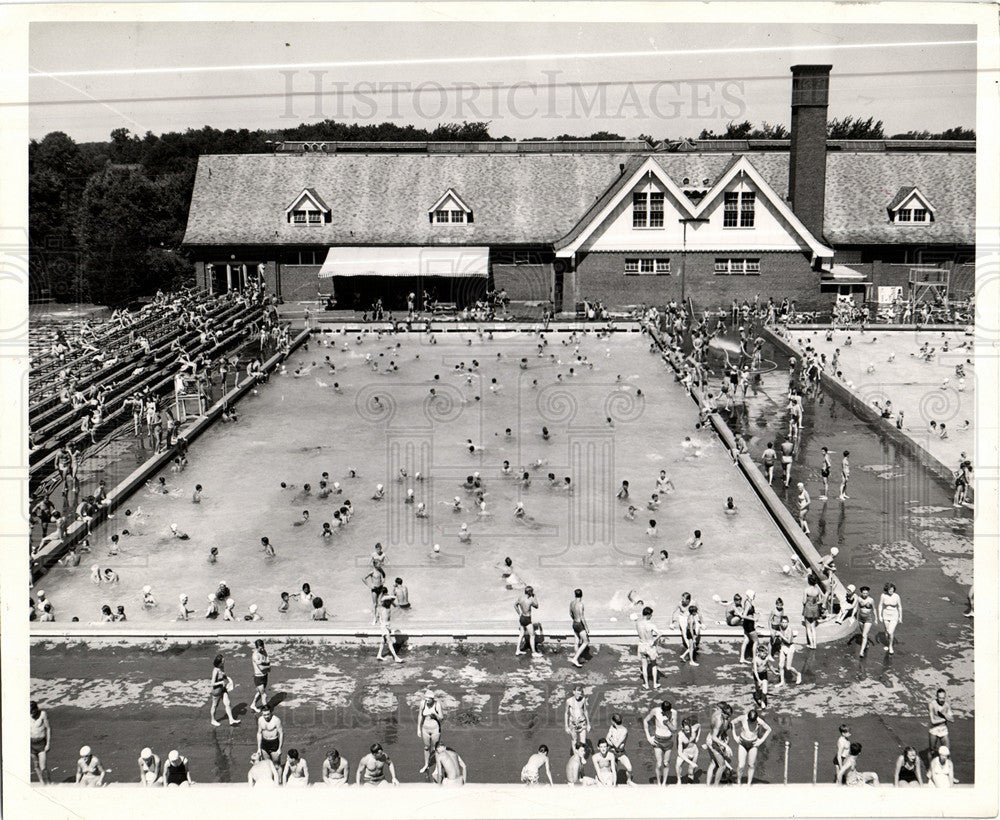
pixel 85 750
pixel 211 597
pixel 183 597
pixel 146 589
pixel 749 594
pixel 834 551
pixel 786 569
pixel 230 602
pixel 253 607
pixel 943 750
pixel 173 756
pixel 146 753
pixel 437 548
pixel 850 587
pixel 173 526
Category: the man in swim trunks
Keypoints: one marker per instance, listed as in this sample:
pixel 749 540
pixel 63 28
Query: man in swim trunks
pixel 261 669
pixel 770 457
pixel 580 629
pixel 661 738
pixel 647 646
pixel 40 734
pixel 523 606
pixel 787 448
pixel 605 770
pixel 749 732
pixel 270 735
pixel 616 737
pixel 940 716
pixel 574 767
pixel 262 772
pixel 372 768
pixel 576 718
pixel 531 769
pixel 717 744
pixel 450 769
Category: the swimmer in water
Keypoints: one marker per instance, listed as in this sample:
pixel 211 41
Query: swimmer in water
pixel 196 496
pixel 730 508
pixel 464 536
pixel 268 547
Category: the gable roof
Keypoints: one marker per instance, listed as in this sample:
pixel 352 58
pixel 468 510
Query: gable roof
pixel 905 193
pixel 381 199
pixel 311 194
pixel 450 193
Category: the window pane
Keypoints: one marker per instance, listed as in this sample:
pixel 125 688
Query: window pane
pixel 458 216
pixel 747 203
pixel 729 219
pixel 722 266
pixel 904 215
pixel 753 266
pixel 314 217
pixel 441 216
pixel 299 217
pixel 631 266
pixel 647 265
pixel 663 266
pixel 920 215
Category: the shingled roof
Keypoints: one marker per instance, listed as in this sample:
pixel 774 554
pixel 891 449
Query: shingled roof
pixel 382 199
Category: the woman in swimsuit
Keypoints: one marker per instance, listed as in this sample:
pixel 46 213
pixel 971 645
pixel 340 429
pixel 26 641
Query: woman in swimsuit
pixel 749 732
pixel 296 771
pixel 718 744
pixel 429 726
pixel 687 747
pixel 221 684
pixel 810 610
pixel 890 610
pixel 335 769
pixel 175 770
pixel 749 619
pixel 661 738
pixel 89 771
pixel 149 767
pixel 866 616
pixel 908 768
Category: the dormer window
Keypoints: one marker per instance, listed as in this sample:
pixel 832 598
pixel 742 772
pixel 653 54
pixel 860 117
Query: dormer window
pixel 308 208
pixel 910 207
pixel 450 209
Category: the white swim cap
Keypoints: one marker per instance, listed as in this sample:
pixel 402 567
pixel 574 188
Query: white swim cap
pixel 378 486
pixel 749 594
pixel 475 475
pixel 146 589
pixel 943 750
pixel 223 584
pixel 173 526
pixel 41 593
pixel 253 608
pixel 94 568
pixel 649 550
pixel 850 587
pixel 834 551
pixel 409 492
pixel 173 756
pixel 146 753
pixel 457 498
pixel 183 597
pixel 786 569
pixel 84 751
pixel 437 548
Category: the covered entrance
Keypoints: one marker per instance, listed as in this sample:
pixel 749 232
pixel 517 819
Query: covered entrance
pixel 845 281
pixel 223 277
pixel 362 275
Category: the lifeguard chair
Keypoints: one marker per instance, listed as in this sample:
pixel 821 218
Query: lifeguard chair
pixel 928 285
pixel 188 403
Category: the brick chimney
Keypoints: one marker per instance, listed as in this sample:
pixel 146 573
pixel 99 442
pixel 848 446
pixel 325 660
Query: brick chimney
pixel 807 163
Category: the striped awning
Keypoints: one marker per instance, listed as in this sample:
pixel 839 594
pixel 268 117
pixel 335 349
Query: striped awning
pixel 405 261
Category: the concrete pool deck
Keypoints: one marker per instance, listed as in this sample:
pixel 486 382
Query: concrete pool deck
pixel 580 539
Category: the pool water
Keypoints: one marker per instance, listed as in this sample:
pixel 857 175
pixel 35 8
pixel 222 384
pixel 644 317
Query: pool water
pixel 377 422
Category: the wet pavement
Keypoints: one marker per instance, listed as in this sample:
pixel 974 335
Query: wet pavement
pixel 497 707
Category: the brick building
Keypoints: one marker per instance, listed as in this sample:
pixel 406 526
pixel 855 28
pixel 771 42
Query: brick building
pixel 623 223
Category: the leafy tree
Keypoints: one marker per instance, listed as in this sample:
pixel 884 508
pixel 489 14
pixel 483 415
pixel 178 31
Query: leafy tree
pixel 854 128
pixel 956 133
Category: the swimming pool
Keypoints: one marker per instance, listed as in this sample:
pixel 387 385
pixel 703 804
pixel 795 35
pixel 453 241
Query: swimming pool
pixel 378 421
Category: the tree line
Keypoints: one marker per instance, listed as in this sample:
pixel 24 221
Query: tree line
pixel 106 219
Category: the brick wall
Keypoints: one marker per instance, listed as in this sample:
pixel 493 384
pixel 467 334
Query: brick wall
pixel 600 277
pixel 300 283
pixel 523 283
